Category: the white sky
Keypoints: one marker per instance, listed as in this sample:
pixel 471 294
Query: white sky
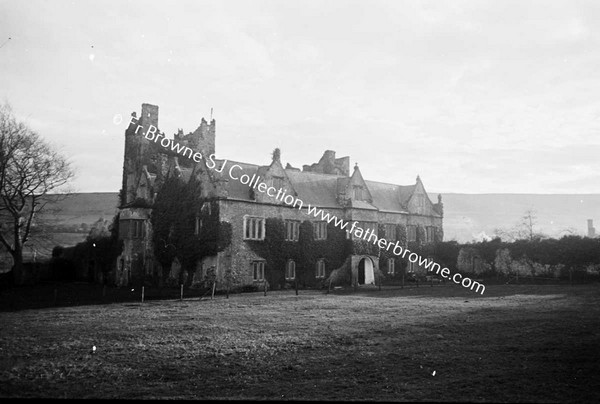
pixel 476 96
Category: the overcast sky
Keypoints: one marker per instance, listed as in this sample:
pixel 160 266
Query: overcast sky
pixel 474 96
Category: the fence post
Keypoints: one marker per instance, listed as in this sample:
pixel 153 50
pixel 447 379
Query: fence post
pixel 265 287
pixel 329 287
pixel 181 292
pixel 142 294
pixel 227 289
pixel 571 276
pixel 296 285
pixel 213 290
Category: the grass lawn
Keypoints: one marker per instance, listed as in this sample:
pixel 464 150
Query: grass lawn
pixel 517 343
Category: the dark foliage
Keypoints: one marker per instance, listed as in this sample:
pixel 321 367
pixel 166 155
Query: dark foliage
pixel 186 226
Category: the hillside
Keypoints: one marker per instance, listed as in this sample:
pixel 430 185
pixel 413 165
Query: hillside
pixel 466 216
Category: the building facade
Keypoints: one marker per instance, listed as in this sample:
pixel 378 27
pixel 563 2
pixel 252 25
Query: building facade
pixel 269 241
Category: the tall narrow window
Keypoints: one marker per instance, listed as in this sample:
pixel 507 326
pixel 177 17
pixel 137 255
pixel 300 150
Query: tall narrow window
pixel 258 270
pixel 198 225
pixel 290 270
pixel 430 234
pixel 411 267
pixel 292 230
pixel 320 268
pixel 391 266
pixel 411 233
pixel 320 230
pixel 137 229
pixel 390 232
pixel 254 228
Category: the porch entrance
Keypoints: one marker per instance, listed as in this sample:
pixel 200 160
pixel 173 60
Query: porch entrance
pixel 365 272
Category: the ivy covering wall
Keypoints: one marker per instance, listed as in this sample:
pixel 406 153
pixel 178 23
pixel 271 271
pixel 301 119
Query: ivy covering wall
pixel 305 252
pixel 186 226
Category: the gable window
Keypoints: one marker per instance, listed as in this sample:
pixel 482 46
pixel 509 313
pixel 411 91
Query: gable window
pixel 391 266
pixel 290 270
pixel 206 208
pixel 292 230
pixel 254 228
pixel 320 268
pixel 411 233
pixel 258 270
pixel 420 200
pixel 320 230
pixel 358 193
pixel 278 183
pixel 430 234
pixel 390 232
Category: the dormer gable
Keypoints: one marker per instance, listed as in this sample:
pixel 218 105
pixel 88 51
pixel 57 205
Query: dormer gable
pixel 353 189
pixel 273 175
pixel 419 201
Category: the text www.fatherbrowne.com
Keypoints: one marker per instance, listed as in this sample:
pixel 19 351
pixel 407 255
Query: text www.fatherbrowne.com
pixel 290 200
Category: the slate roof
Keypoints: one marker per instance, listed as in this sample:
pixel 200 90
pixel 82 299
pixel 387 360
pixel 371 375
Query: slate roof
pixel 321 190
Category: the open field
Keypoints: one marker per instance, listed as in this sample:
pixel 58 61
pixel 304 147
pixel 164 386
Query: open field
pixel 519 343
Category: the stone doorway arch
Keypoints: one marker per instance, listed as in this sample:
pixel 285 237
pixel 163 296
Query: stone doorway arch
pixel 366 274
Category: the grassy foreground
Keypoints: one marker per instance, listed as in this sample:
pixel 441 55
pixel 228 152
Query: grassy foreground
pixel 516 343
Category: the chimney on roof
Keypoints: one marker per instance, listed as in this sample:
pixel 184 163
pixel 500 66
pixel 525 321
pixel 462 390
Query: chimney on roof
pixel 591 229
pixel 276 154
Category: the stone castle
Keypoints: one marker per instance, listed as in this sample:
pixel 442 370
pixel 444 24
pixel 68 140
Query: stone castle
pixel 389 210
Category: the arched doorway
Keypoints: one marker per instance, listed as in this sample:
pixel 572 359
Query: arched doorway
pixel 365 272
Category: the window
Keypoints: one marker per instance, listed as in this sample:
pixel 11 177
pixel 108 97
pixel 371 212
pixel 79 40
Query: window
pixel 254 228
pixel 365 226
pixel 391 266
pixel 430 234
pixel 390 232
pixel 206 208
pixel 320 230
pixel 320 268
pixel 137 229
pixel 358 193
pixel 258 270
pixel 411 233
pixel 290 270
pixel 292 230
pixel 198 225
pixel 420 200
pixel 278 183
pixel 411 267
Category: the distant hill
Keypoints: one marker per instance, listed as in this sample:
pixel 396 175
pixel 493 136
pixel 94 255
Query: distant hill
pixel 86 208
pixel 466 216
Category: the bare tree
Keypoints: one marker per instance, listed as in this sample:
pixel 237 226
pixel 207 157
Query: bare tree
pixel 29 170
pixel 524 230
